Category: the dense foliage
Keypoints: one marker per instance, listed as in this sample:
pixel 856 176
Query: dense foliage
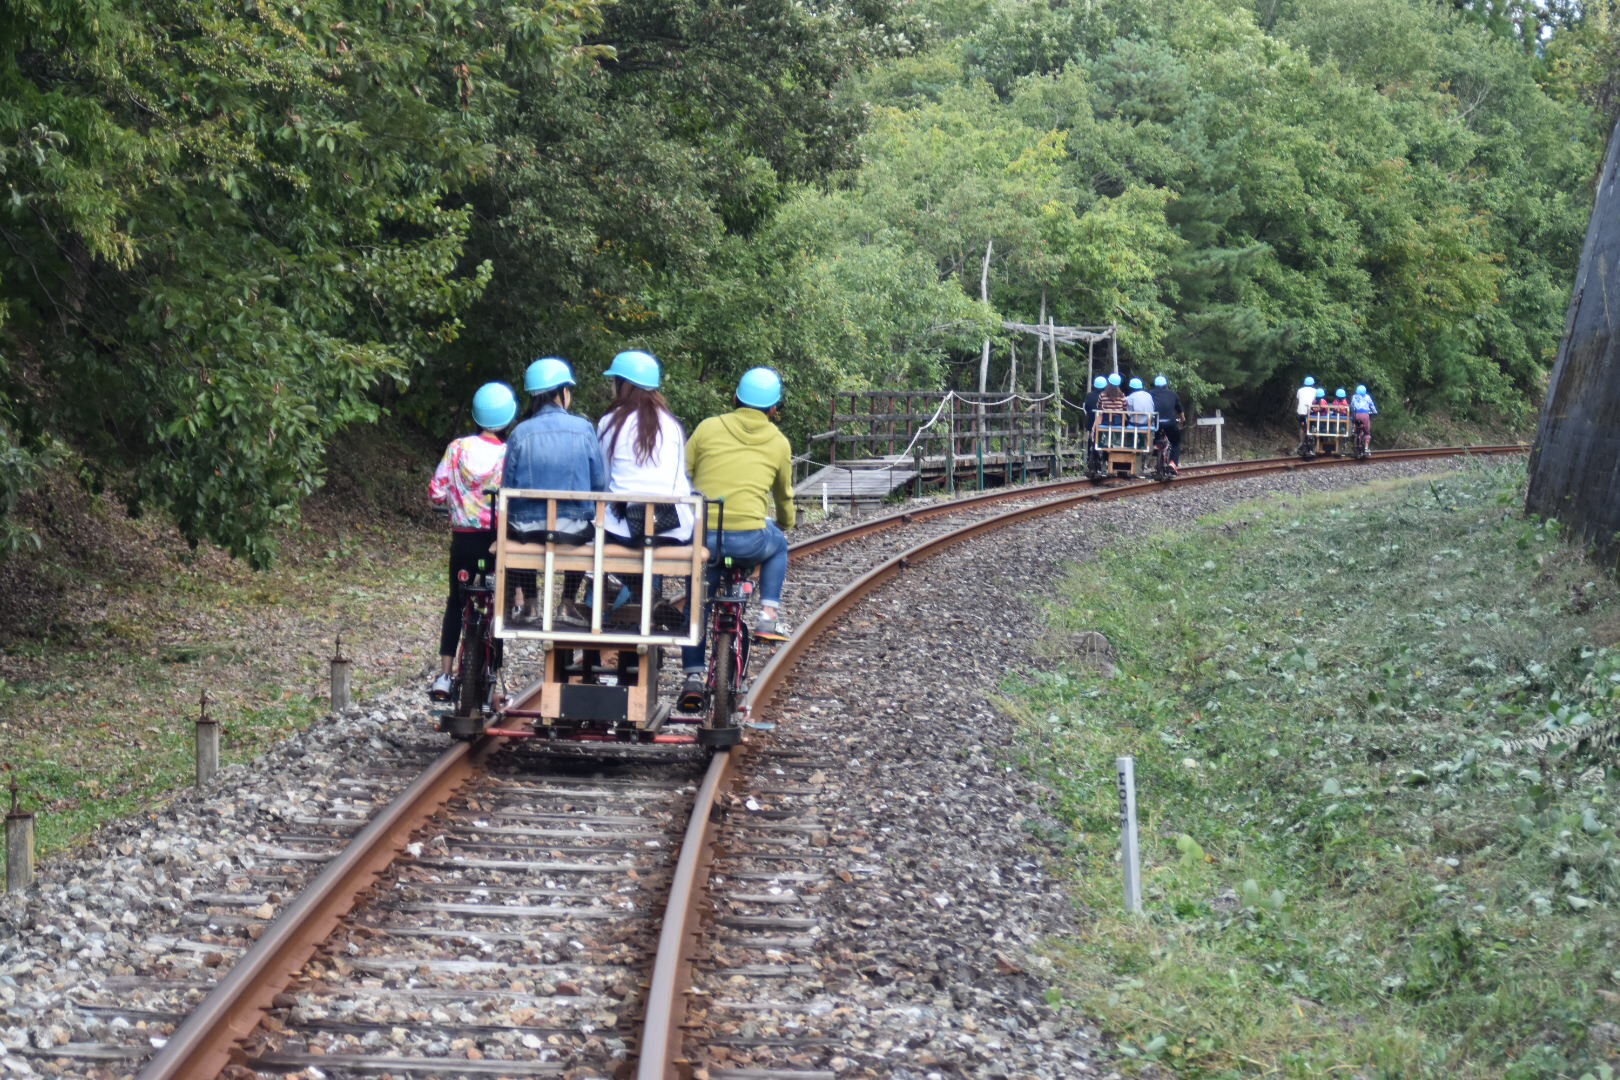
pixel 233 229
pixel 228 223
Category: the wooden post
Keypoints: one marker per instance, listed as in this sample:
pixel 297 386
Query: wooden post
pixel 340 678
pixel 19 844
pixel 207 741
pixel 832 425
pixel 1057 402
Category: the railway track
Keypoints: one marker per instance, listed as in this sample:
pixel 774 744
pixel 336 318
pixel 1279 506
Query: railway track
pixel 510 905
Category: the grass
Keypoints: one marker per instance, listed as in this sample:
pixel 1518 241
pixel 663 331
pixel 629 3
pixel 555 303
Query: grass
pixel 1374 736
pixel 112 640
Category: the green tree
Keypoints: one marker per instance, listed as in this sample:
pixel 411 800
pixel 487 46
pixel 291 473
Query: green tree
pixel 623 188
pixel 226 226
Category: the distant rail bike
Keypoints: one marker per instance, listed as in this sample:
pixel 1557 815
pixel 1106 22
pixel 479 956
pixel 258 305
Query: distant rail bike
pixel 1327 432
pixel 596 604
pixel 1128 445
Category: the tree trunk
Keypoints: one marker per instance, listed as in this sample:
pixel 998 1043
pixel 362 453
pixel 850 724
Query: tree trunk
pixel 984 359
pixel 1040 352
pixel 1573 471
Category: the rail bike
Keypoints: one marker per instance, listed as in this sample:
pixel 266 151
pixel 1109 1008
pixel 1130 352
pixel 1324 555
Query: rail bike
pixel 1128 445
pixel 602 612
pixel 1327 432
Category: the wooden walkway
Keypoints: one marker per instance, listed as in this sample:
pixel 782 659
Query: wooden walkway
pixel 868 481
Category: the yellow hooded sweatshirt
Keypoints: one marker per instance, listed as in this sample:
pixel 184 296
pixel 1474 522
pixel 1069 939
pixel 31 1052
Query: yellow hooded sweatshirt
pixel 743 458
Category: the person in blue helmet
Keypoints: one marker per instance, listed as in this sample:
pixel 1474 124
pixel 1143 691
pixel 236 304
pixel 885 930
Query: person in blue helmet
pixel 1089 416
pixel 1171 415
pixel 1112 398
pixel 552 450
pixel 472 466
pixel 644 448
pixel 1362 411
pixel 1089 407
pixel 1140 404
pixel 743 458
pixel 1304 398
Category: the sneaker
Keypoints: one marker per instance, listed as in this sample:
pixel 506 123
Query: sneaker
pixel 666 616
pixel 771 628
pixel 441 688
pixel 691 699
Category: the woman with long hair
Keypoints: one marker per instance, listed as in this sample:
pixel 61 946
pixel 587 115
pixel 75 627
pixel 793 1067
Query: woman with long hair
pixel 644 447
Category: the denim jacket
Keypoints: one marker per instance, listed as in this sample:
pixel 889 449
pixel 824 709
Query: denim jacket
pixel 557 451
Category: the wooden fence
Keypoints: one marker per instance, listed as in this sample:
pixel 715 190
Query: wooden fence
pixel 869 425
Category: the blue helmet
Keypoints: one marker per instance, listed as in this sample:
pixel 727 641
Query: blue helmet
pixel 546 374
pixel 1136 384
pixel 1361 389
pixel 1098 383
pixel 1160 380
pixel 494 406
pixel 1321 393
pixel 1113 380
pixel 760 388
pixel 636 368
pixel 1339 393
pixel 1309 381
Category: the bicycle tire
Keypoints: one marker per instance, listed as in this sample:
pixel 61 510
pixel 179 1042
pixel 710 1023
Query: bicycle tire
pixel 725 679
pixel 471 669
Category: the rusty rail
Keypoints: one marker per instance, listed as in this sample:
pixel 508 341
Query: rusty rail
pixel 660 1049
pixel 209 1039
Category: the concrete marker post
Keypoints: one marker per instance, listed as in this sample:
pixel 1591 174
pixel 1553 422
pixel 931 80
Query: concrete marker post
pixel 207 740
pixel 341 670
pixel 19 844
pixel 1126 768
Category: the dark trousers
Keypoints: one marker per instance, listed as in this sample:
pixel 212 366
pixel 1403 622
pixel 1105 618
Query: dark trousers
pixel 466 548
pixel 1172 432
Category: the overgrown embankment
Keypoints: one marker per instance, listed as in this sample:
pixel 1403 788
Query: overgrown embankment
pixel 1375 739
pixel 111 633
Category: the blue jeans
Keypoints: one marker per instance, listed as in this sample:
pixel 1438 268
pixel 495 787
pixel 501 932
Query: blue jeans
pixel 766 548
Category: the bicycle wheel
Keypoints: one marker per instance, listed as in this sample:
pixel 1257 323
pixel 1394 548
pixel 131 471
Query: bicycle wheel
pixel 725 679
pixel 471 669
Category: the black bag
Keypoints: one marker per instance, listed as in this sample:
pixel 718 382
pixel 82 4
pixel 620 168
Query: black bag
pixel 665 517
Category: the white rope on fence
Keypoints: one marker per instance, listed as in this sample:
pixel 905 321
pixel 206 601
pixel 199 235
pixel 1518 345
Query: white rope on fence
pixel 946 400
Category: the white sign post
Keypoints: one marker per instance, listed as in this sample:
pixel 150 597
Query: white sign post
pixel 1217 422
pixel 1126 767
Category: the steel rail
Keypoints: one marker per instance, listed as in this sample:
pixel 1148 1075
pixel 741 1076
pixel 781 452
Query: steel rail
pixel 658 1056
pixel 1226 469
pixel 209 1039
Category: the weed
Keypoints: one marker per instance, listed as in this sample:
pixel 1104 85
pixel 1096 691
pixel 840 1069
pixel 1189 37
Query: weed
pixel 1374 756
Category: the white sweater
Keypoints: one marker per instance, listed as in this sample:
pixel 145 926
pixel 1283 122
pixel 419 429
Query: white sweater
pixel 664 473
